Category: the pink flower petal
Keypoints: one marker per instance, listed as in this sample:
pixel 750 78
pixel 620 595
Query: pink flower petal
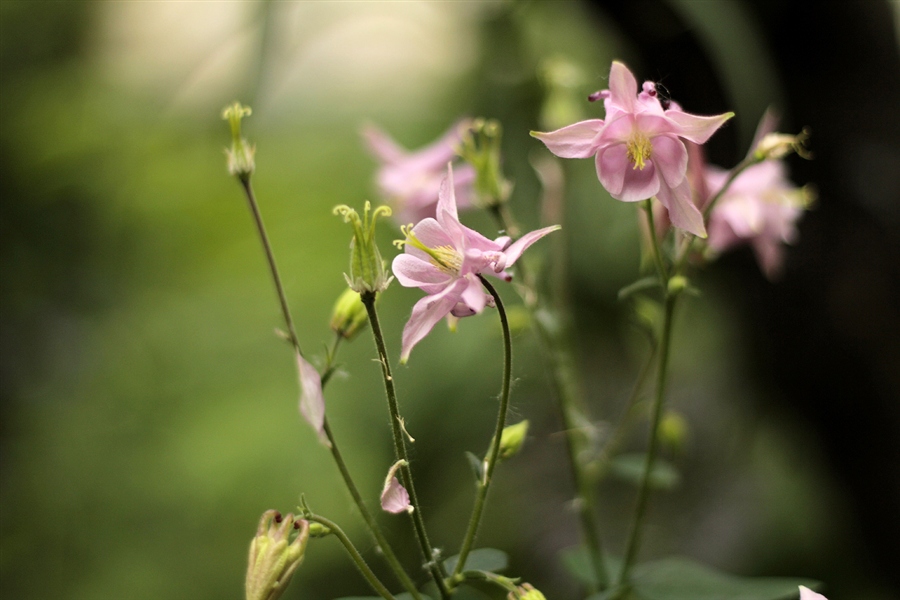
pixel 382 145
pixel 695 128
pixel 808 594
pixel 573 141
pixel 474 295
pixel 670 157
pixel 427 312
pixel 412 271
pixel 395 498
pixel 516 249
pixel 612 164
pixel 639 184
pixel 623 87
pixel 312 402
pixel 682 211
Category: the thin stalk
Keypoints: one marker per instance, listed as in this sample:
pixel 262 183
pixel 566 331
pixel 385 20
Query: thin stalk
pixel 631 547
pixel 657 255
pixel 386 549
pixel 431 560
pixel 355 555
pixel 488 473
pixel 564 380
pixel 282 297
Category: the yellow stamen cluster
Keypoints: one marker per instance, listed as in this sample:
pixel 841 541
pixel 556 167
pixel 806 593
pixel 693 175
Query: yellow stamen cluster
pixel 639 149
pixel 445 258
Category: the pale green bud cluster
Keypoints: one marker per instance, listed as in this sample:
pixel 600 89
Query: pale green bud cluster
pixel 774 146
pixel 526 591
pixel 367 268
pixel 273 556
pixel 240 155
pixel 481 149
pixel 512 438
pixel 349 315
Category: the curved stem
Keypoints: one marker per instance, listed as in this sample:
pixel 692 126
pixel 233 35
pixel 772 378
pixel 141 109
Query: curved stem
pixel 488 472
pixel 633 543
pixel 569 401
pixel 354 554
pixel 431 559
pixel 270 256
pixel 387 551
pixel 654 241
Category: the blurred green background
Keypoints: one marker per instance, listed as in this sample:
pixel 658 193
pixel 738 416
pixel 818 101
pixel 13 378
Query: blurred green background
pixel 149 412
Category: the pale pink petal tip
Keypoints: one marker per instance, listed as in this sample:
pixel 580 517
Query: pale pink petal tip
pixel 312 402
pixel 394 497
pixel 808 594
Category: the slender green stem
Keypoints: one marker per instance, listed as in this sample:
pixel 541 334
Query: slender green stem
pixel 494 452
pixel 279 288
pixel 431 559
pixel 632 546
pixel 355 555
pixel 505 583
pixel 654 242
pixel 569 401
pixel 387 551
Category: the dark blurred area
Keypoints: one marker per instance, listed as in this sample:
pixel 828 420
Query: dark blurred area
pixel 136 315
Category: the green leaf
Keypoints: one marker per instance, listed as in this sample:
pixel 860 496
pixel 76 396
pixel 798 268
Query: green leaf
pixel 482 559
pixel 640 285
pixel 577 561
pixel 677 578
pixel 476 465
pixel 630 467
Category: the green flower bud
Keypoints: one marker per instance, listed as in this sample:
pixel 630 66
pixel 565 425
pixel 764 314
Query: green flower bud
pixel 349 315
pixel 240 155
pixel 273 557
pixel 367 269
pixel 481 149
pixel 512 438
pixel 673 430
pixel 526 591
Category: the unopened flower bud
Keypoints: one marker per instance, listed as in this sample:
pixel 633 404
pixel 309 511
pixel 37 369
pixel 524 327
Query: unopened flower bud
pixel 240 155
pixel 367 269
pixel 349 315
pixel 673 430
pixel 273 556
pixel 317 530
pixel 512 438
pixel 779 145
pixel 526 591
pixel 481 149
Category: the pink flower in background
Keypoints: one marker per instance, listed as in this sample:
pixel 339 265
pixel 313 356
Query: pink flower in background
pixel 760 207
pixel 444 258
pixel 410 181
pixel 639 149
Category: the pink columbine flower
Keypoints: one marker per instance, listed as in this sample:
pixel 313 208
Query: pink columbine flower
pixel 639 148
pixel 312 401
pixel 444 258
pixel 410 181
pixel 808 594
pixel 760 207
pixel 394 497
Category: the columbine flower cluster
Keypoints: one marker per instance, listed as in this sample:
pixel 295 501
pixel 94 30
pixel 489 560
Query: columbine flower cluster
pixel 445 259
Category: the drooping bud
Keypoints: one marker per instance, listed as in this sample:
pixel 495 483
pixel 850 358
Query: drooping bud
pixel 240 155
pixel 367 269
pixel 512 438
pixel 274 556
pixel 349 315
pixel 481 149
pixel 526 591
pixel 394 497
pixel 778 145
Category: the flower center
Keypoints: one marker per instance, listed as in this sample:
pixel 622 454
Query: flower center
pixel 445 258
pixel 639 150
